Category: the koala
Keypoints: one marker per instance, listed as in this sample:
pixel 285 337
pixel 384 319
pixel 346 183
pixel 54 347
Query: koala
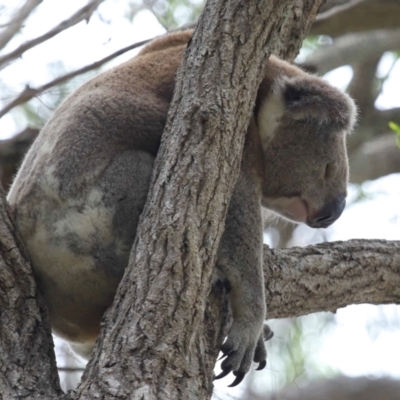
pixel 82 186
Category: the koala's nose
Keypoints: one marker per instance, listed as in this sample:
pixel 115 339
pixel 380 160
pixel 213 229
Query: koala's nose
pixel 329 213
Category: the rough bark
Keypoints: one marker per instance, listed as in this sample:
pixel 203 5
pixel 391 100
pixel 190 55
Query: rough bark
pixel 146 331
pixel 328 276
pixel 27 362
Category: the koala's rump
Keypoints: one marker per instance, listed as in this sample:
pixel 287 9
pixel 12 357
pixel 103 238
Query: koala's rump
pixel 79 245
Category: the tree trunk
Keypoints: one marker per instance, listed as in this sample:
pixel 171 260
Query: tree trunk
pixel 28 367
pixel 161 328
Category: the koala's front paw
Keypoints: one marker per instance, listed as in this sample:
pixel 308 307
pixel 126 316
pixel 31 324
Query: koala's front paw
pixel 242 346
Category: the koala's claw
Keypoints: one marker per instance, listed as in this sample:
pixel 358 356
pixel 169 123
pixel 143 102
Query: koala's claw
pixel 224 373
pixel 238 379
pixel 238 354
pixel 261 365
pixel 267 333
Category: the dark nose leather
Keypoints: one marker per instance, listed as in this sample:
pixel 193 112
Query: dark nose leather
pixel 329 213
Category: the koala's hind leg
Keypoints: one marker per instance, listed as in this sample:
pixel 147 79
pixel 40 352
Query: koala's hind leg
pixel 100 236
pixel 240 262
pixel 125 186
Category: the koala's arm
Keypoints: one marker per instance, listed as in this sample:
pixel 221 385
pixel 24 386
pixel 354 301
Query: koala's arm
pixel 240 263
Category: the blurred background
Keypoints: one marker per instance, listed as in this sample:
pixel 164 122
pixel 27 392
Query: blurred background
pixel 49 48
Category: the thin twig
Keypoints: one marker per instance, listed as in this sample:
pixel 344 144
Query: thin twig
pixel 15 23
pixel 150 6
pixel 28 93
pixel 339 9
pixel 83 14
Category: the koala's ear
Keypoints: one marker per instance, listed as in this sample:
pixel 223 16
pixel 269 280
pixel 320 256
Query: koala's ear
pixel 311 98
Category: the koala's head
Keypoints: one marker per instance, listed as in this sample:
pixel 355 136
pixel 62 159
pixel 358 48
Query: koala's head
pixel 303 123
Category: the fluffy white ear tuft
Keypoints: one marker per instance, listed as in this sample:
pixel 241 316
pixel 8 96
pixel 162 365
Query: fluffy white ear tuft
pixel 269 116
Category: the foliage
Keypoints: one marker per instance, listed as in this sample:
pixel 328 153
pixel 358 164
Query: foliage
pixel 396 129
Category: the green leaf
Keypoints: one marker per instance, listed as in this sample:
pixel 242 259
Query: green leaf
pixel 394 127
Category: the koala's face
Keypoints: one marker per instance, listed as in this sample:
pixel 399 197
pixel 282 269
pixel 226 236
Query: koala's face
pixel 306 174
pixel 305 160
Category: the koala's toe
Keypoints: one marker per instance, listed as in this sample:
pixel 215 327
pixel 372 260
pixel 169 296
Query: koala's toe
pixel 234 358
pixel 260 355
pixel 238 353
pixel 267 332
pixel 239 363
pixel 243 346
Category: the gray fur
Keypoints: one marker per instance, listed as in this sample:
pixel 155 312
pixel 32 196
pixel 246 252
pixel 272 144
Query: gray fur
pixel 82 187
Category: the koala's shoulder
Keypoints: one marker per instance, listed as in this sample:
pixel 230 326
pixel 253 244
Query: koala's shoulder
pixel 167 42
pixel 151 71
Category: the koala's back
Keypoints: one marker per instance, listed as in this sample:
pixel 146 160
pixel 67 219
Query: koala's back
pixel 81 189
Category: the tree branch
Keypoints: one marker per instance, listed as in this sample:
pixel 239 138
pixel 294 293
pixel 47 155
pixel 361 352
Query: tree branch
pixel 338 388
pixel 83 14
pixel 29 93
pixel 353 48
pixel 373 124
pixel 329 4
pixel 363 89
pixel 16 21
pixel 357 16
pixel 149 5
pixel 24 325
pixel 390 115
pixel 374 158
pixel 329 276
